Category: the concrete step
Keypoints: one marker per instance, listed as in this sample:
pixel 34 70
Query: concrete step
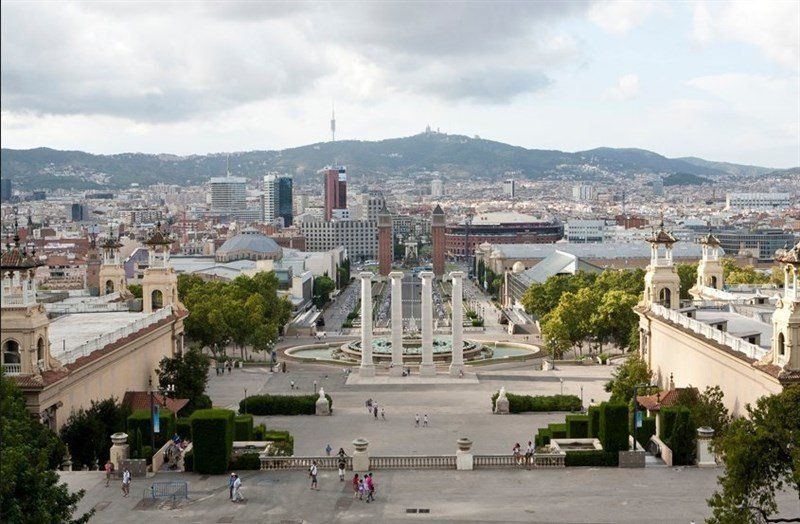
pixel 651 461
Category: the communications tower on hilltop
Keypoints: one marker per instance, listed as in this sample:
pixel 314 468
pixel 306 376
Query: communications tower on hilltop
pixel 333 124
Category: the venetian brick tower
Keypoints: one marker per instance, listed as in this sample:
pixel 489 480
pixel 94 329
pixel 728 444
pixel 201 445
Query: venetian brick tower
pixel 437 237
pixel 385 242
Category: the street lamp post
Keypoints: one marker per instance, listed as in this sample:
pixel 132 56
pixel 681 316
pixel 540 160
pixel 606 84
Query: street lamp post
pixel 636 409
pixel 245 401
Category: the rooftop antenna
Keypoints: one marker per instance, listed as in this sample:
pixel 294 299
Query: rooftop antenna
pixel 333 123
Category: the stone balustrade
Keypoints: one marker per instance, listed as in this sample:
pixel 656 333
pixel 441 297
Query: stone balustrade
pixel 541 461
pixel 278 462
pixel 413 462
pixel 12 369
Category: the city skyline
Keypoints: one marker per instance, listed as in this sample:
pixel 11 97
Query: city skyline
pixel 718 81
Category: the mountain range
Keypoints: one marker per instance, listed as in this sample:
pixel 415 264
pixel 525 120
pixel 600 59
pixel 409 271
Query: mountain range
pixel 418 155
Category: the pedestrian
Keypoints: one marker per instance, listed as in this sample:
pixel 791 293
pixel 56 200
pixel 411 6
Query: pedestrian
pixel 231 480
pixel 328 450
pixel 383 414
pixel 356 481
pixel 416 420
pixel 126 482
pixel 529 454
pixel 425 421
pixel 109 468
pixel 237 488
pixel 291 384
pixel 516 452
pixel 370 488
pixel 375 411
pixel 283 366
pixel 342 464
pixel 361 488
pixel 229 367
pixel 312 472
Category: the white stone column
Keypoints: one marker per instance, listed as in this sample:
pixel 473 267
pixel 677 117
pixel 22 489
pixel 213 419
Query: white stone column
pixel 427 368
pixel 397 323
pixel 456 301
pixel 367 368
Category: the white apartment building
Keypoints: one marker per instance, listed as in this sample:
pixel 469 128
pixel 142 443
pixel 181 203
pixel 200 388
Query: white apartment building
pixel 582 193
pixel 270 197
pixel 765 201
pixel 510 187
pixel 228 193
pixel 585 231
pixel 358 237
pixel 135 217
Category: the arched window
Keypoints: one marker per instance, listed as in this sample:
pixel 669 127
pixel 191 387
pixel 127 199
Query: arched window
pixel 109 287
pixel 714 282
pixel 665 297
pixel 40 349
pixel 11 352
pixel 781 345
pixel 157 299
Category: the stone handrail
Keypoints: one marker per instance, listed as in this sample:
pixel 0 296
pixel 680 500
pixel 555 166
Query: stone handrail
pixel 279 462
pixel 109 338
pixel 541 460
pixel 726 339
pixel 413 462
pixel 12 369
pixel 99 304
pixel 666 453
pixel 25 298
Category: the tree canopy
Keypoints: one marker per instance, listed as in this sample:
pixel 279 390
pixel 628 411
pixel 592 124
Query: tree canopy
pixel 323 287
pixel 762 456
pixel 188 374
pixel 30 491
pixel 630 373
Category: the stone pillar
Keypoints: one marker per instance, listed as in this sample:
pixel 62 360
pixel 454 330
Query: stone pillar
pixel 705 457
pixel 501 404
pixel 120 450
pixel 322 406
pixel 360 455
pixel 464 454
pixel 456 299
pixel 397 323
pixel 427 368
pixel 367 368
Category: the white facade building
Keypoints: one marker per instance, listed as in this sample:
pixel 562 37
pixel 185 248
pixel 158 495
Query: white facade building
pixel 758 201
pixel 358 237
pixel 585 231
pixel 228 193
pixel 510 187
pixel 270 198
pixel 581 193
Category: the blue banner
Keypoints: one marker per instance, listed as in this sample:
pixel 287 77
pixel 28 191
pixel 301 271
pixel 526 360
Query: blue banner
pixel 156 419
pixel 638 419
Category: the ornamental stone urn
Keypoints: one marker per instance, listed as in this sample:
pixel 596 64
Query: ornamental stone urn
pixel 464 444
pixel 322 406
pixel 501 404
pixel 360 455
pixel 120 450
pixel 464 461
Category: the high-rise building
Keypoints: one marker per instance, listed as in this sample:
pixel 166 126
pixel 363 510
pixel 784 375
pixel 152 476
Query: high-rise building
pixel 5 189
pixel 510 187
pixel 335 185
pixel 758 201
pixel 77 212
pixel 658 187
pixel 228 193
pixel 437 187
pixel 582 193
pixel 285 212
pixel 270 198
pixel 358 237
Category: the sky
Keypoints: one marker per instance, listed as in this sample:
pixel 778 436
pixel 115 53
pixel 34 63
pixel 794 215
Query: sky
pixel 719 80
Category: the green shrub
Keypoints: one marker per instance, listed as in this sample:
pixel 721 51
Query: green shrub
pixel 212 430
pixel 188 461
pixel 647 430
pixel 594 421
pixel 682 439
pixel 592 458
pixel 557 430
pixel 529 403
pixel 614 426
pixel 258 432
pixel 542 437
pixel 140 419
pixel 284 447
pixel 668 416
pixel 282 404
pixel 243 427
pixel 577 426
pixel 245 461
pixel 147 453
pixel 183 427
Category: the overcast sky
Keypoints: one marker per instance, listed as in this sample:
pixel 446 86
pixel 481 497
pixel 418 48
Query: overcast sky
pixel 717 80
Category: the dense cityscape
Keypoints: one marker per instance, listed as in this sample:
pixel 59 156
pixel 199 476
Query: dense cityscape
pixel 605 335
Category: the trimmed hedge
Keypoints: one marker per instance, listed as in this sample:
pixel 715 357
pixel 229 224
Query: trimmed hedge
pixel 243 428
pixel 140 419
pixel 183 427
pixel 592 458
pixel 668 416
pixel 542 437
pixel 647 430
pixel 245 461
pixel 557 430
pixel 577 426
pixel 212 430
pixel 282 404
pixel 614 426
pixel 529 403
pixel 682 439
pixel 188 461
pixel 594 421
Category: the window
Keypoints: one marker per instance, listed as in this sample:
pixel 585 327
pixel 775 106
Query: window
pixel 40 349
pixel 11 352
pixel 157 299
pixel 109 287
pixel 781 345
pixel 665 298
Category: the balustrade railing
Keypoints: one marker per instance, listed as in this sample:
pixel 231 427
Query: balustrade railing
pixel 494 461
pixel 541 460
pixel 413 462
pixel 737 344
pixel 278 462
pixel 12 369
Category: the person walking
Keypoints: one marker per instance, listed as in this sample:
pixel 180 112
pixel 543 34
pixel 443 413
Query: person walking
pixel 342 464
pixel 109 468
pixel 312 472
pixel 126 482
pixel 328 450
pixel 356 481
pixel 375 411
pixel 237 489
pixel 416 420
pixel 229 367
pixel 370 488
pixel 425 421
pixel 231 480
pixel 291 384
pixel 383 414
pixel 361 488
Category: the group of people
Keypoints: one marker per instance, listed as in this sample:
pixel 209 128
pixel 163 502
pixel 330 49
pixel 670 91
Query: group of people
pixel 424 420
pixel 235 488
pixel 523 459
pixel 364 486
pixel 126 477
pixel 221 365
pixel 372 409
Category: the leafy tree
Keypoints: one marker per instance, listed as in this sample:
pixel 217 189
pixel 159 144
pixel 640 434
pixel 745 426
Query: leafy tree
pixel 630 373
pixel 734 274
pixel 323 286
pixel 762 456
pixel 186 282
pixel 541 298
pixel 707 409
pixel 87 433
pixel 30 491
pixel 136 290
pixel 188 373
pixel 343 274
pixel 481 271
pixel 613 317
pixel 688 275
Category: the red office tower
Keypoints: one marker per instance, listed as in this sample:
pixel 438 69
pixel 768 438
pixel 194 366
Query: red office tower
pixel 385 243
pixel 335 183
pixel 437 236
